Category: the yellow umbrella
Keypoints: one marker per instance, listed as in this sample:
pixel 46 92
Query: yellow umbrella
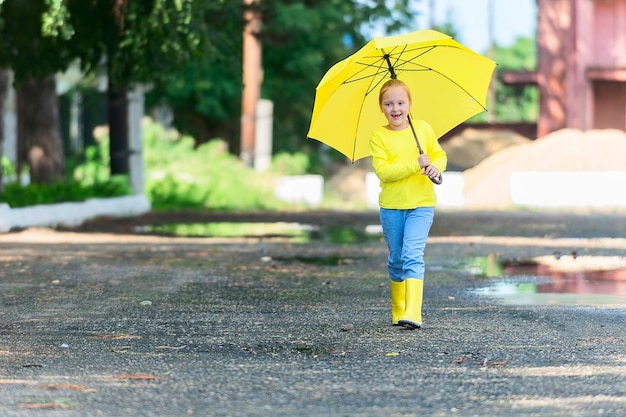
pixel 448 83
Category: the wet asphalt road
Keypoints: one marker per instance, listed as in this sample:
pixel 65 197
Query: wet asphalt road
pixel 123 325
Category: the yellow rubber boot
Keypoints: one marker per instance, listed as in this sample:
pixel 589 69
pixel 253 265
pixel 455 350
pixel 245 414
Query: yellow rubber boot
pixel 397 300
pixel 412 317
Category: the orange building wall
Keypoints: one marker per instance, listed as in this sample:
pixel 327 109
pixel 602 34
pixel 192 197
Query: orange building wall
pixel 553 29
pixel 609 34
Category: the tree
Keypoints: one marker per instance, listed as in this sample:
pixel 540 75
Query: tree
pixel 136 42
pixel 205 93
pixel 301 40
pixel 40 125
pixel 34 52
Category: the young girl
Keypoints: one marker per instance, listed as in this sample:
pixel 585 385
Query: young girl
pixel 407 198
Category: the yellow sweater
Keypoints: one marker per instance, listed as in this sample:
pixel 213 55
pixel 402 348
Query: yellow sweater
pixel 394 158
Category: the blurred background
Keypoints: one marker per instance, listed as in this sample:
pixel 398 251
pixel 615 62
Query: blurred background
pixel 207 104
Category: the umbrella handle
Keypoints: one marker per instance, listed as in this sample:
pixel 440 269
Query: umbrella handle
pixel 438 180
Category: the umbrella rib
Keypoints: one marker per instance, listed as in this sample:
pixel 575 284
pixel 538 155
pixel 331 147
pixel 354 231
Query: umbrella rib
pixel 366 76
pixel 382 68
pixel 400 68
pixel 373 85
pixel 398 55
pixel 399 65
pixel 460 87
pixel 378 74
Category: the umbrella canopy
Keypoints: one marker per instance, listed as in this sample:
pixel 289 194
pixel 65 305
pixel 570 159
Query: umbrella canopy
pixel 448 83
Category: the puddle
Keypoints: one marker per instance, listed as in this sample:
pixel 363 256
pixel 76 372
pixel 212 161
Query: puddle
pixel 555 280
pixel 319 260
pixel 291 232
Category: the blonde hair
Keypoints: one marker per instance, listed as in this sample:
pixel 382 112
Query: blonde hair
pixel 394 82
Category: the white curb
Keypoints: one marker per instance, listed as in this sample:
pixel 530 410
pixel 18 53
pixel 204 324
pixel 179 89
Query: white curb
pixel 71 214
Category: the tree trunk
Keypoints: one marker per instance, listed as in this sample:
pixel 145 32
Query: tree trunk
pixel 40 126
pixel 118 130
pixel 4 89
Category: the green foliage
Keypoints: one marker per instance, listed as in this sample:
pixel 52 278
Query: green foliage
pixel 95 169
pixel 169 192
pixel 179 175
pixel 8 170
pixel 114 186
pixel 290 164
pixel 205 93
pixel 521 55
pixel 94 173
pixel 140 40
pixel 133 42
pixel 27 42
pixel 55 20
pixel 513 103
pixel 207 176
pixel 516 103
pixel 91 179
pixel 300 41
pixel 16 195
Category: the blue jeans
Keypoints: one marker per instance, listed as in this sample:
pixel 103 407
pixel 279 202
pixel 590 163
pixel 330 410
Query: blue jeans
pixel 406 232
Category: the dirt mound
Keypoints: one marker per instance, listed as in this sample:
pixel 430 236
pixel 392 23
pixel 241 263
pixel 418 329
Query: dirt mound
pixel 487 184
pixel 472 146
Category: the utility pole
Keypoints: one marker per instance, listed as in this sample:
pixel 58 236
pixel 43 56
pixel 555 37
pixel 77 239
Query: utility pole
pixel 431 13
pixel 252 78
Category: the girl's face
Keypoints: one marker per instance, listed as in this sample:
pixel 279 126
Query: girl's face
pixel 395 106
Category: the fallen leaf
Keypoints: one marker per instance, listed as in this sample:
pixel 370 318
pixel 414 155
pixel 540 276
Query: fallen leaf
pixel 392 354
pixel 56 403
pixel 69 387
